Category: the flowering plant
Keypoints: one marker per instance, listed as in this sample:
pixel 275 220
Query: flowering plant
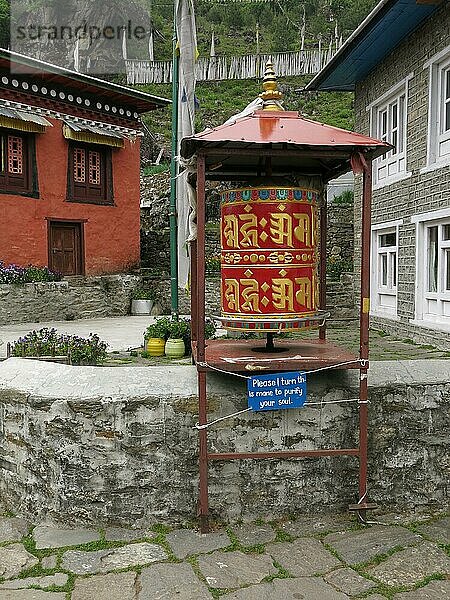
pixel 47 342
pixel 15 274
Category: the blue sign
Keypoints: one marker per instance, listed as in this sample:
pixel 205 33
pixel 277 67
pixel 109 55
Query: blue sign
pixel 277 391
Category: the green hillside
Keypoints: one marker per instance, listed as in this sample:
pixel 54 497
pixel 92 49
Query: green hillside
pixel 220 100
pixel 279 23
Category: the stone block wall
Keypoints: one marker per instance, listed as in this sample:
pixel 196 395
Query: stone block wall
pixel 422 191
pixel 118 445
pixel 73 298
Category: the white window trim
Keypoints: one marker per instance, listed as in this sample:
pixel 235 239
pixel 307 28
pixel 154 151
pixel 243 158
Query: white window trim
pixel 375 310
pixel 393 179
pixel 435 65
pixel 372 108
pixel 423 220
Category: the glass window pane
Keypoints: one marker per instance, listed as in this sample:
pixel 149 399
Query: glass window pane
pixel 383 124
pixel 446 232
pixel 394 116
pixel 383 274
pixel 401 128
pixel 387 239
pixel 394 269
pixel 447 270
pixel 447 85
pixel 432 256
pixel 447 117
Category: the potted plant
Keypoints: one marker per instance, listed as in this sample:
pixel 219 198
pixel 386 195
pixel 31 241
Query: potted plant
pixel 175 334
pixel 142 300
pixel 156 335
pixel 179 338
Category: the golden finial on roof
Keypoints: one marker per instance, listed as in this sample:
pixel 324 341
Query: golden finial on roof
pixel 271 96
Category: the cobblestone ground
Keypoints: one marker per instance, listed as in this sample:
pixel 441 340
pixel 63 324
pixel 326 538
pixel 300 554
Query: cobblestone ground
pixel 310 558
pixel 383 346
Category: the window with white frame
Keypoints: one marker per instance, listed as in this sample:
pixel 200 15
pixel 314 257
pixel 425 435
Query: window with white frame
pixel 388 123
pixel 439 109
pixel 433 271
pixel 385 267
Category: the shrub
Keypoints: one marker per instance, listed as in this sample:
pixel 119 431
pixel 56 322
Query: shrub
pixel 345 198
pixel 15 274
pixel 165 328
pixel 155 169
pixel 47 342
pixel 143 294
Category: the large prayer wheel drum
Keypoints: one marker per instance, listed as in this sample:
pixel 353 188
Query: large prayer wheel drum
pixel 269 260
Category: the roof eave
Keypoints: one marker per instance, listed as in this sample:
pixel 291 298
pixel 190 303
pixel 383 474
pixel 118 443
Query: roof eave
pixel 146 101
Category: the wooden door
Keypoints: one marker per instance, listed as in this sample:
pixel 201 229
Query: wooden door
pixel 65 248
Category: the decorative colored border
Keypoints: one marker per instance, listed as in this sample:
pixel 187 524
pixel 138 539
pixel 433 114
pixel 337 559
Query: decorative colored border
pixel 270 194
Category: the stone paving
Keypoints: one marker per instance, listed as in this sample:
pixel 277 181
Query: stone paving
pixel 125 333
pixel 327 557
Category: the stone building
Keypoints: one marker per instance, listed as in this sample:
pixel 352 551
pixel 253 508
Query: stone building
pixel 69 168
pixel 398 64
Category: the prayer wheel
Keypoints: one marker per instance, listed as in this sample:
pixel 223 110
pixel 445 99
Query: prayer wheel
pixel 269 259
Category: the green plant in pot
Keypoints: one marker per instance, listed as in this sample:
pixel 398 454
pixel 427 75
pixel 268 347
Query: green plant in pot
pixel 156 335
pixel 142 300
pixel 168 329
pixel 179 338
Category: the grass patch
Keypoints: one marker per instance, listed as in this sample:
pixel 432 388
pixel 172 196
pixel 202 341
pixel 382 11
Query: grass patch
pixel 376 560
pixel 149 170
pixel 282 573
pixel 236 545
pixel 218 592
pixel 283 536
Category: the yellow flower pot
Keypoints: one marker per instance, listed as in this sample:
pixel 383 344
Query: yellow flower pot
pixel 155 346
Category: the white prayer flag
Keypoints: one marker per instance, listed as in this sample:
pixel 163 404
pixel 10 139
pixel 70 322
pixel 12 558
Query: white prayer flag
pixel 187 44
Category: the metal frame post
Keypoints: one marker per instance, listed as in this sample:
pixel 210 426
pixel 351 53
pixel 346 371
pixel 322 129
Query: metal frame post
pixel 200 315
pixel 194 292
pixel 323 263
pixel 364 331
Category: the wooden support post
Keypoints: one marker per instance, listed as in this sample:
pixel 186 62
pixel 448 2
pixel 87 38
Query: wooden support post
pixel 323 263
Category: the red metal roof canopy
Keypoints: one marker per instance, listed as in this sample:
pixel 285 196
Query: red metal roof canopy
pixel 295 144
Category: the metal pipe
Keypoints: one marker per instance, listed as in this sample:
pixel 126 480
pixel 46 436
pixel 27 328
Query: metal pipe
pixel 173 179
pixel 283 454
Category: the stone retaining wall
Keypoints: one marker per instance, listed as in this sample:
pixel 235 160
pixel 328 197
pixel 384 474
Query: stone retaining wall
pixel 118 445
pixel 73 298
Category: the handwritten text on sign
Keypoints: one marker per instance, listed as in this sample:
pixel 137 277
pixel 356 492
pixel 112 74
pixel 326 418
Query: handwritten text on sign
pixel 277 391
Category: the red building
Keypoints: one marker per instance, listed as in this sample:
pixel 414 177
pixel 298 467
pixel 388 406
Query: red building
pixel 69 168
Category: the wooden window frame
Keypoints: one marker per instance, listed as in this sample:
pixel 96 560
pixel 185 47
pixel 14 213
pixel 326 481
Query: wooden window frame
pixel 27 185
pixel 85 192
